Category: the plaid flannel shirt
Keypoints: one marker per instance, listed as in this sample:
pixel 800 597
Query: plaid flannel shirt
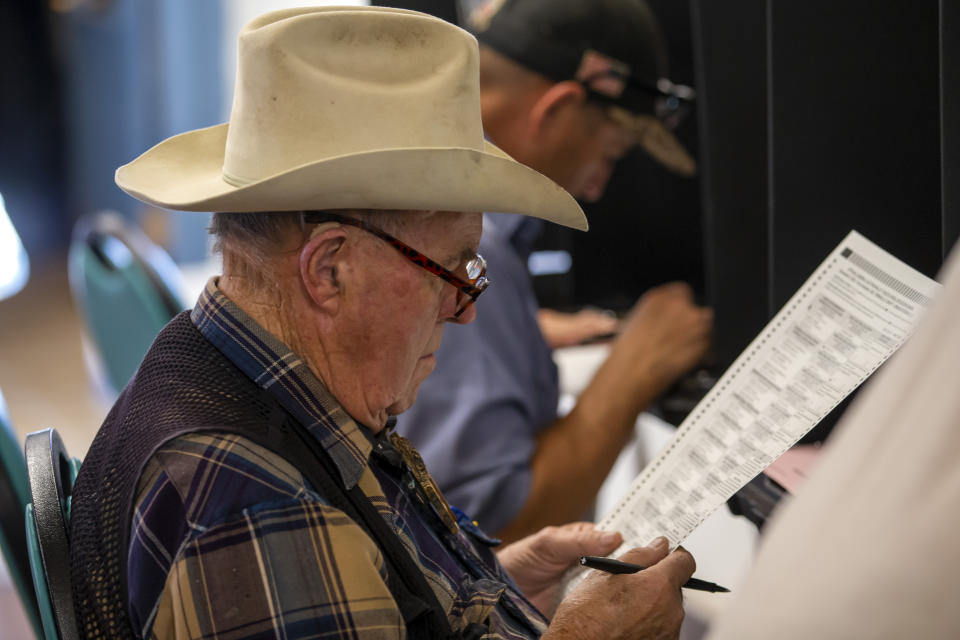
pixel 229 541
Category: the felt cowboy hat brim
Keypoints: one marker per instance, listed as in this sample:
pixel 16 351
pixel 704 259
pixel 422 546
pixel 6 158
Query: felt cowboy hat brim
pixel 348 107
pixel 185 172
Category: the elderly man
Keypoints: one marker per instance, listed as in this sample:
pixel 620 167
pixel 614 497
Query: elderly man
pixel 247 483
pixel 567 87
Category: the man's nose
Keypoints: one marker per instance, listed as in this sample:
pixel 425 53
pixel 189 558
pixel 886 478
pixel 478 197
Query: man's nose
pixel 469 315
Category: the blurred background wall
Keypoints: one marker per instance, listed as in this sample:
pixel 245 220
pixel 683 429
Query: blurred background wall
pixel 89 85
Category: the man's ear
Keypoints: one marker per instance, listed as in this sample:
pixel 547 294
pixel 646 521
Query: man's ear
pixel 320 265
pixel 556 105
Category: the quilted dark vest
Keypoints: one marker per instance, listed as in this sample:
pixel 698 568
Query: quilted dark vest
pixel 184 385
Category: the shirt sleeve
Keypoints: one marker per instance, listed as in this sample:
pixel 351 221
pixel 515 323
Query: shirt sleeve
pixel 270 572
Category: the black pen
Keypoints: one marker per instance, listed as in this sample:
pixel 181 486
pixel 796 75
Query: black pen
pixel 618 566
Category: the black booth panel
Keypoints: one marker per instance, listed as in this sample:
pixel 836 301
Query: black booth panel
pixel 854 123
pixel 645 231
pixel 950 119
pixel 730 52
pixel 445 9
pixel 854 119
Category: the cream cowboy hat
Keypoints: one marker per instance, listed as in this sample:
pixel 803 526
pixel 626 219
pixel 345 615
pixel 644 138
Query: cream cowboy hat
pixel 338 108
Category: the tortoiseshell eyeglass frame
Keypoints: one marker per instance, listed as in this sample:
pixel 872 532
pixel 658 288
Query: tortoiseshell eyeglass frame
pixel 467 290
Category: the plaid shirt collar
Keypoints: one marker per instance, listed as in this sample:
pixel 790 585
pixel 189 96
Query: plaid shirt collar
pixel 285 375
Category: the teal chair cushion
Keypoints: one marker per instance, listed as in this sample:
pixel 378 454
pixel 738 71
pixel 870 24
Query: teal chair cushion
pixel 124 286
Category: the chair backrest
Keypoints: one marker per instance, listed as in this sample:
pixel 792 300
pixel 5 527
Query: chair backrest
pixel 125 288
pixel 51 473
pixel 14 495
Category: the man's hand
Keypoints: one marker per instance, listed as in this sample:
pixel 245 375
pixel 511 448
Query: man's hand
pixel 665 334
pixel 570 329
pixel 537 562
pixel 645 605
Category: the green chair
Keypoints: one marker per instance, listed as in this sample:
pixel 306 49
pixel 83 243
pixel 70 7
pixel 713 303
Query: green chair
pixel 14 496
pixel 126 290
pixel 51 473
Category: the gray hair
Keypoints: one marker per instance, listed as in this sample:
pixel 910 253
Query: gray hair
pixel 255 238
pixel 258 232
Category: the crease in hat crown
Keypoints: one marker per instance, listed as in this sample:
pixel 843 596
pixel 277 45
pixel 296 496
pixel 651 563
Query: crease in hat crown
pixel 348 107
pixel 303 102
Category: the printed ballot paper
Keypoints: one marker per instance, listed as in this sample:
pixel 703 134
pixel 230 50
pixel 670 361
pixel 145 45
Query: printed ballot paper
pixel 856 309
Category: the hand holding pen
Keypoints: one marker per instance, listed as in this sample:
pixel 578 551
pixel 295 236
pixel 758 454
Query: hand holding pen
pixel 610 565
pixel 647 604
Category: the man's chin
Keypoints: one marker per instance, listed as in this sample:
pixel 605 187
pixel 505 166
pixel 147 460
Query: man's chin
pixel 407 399
pixel 402 405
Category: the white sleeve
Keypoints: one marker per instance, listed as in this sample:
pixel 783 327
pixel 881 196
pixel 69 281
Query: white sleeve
pixel 868 549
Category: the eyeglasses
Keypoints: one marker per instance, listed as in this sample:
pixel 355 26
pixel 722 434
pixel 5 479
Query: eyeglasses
pixel 670 103
pixel 467 290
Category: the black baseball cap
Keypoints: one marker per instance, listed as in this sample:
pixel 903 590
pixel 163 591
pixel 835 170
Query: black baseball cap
pixel 615 48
